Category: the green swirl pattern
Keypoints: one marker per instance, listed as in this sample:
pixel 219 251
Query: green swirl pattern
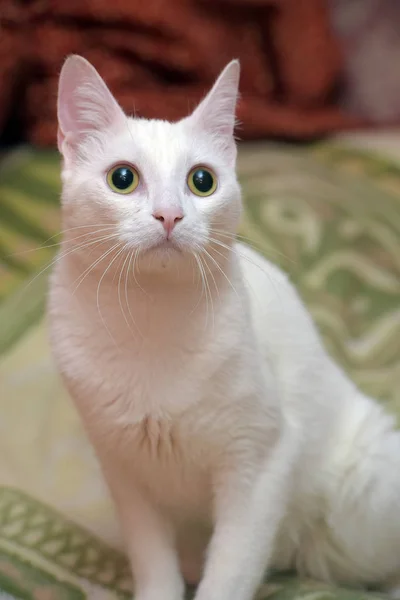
pixel 329 214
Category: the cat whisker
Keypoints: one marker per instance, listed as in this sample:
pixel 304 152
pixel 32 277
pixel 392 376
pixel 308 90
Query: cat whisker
pixel 128 271
pixel 206 288
pixel 211 273
pixel 135 261
pixel 82 276
pixel 88 269
pixel 209 289
pixel 251 243
pixel 222 271
pixel 99 286
pixel 63 231
pixel 244 257
pixel 202 291
pixel 116 270
pixel 125 264
pixel 226 258
pixel 121 272
pixel 59 256
pixel 45 245
pixel 199 280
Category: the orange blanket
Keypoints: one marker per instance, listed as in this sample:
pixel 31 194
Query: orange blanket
pixel 159 57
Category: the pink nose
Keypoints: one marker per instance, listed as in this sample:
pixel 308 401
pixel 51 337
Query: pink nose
pixel 169 217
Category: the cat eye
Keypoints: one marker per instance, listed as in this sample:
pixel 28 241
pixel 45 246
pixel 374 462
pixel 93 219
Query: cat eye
pixel 202 181
pixel 123 179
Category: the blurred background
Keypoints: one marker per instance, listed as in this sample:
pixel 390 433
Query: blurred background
pixel 309 67
pixel 319 165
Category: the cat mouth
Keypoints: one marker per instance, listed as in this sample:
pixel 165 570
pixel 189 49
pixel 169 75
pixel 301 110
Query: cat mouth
pixel 167 245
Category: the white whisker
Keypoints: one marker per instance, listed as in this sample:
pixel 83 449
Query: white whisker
pixel 99 286
pixel 88 269
pixel 211 273
pixel 209 290
pixel 222 272
pixel 119 289
pixel 128 271
pixel 244 257
pixel 204 284
pixel 59 256
pixel 134 273
pixel 196 257
pixel 250 243
pixel 45 245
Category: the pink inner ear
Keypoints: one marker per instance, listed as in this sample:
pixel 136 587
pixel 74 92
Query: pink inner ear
pixel 64 148
pixel 85 104
pixel 217 111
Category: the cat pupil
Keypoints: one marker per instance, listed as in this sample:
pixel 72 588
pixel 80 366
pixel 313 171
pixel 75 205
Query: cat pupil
pixel 202 180
pixel 122 178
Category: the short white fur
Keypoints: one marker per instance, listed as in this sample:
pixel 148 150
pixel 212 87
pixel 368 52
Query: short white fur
pixel 229 439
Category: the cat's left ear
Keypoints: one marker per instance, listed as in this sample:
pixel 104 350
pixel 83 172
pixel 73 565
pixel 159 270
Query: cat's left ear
pixel 85 106
pixel 216 112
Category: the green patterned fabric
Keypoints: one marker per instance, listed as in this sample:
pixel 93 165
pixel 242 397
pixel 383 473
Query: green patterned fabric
pixel 329 214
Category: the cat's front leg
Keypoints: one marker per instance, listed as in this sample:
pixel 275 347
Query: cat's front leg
pixel 154 561
pixel 150 542
pixel 249 505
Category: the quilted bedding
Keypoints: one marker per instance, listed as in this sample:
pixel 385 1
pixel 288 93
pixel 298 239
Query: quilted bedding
pixel 329 214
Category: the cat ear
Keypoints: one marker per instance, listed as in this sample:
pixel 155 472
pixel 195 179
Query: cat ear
pixel 216 113
pixel 85 105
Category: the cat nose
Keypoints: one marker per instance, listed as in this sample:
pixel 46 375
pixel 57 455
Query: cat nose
pixel 169 217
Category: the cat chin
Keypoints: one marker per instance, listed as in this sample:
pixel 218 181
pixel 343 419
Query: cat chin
pixel 160 255
pixel 166 248
pixel 168 259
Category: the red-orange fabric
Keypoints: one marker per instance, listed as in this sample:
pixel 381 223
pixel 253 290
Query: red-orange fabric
pixel 160 56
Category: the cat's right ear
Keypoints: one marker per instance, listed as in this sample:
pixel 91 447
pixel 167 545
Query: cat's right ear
pixel 85 105
pixel 216 112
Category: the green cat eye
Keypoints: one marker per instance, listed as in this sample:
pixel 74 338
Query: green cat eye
pixel 123 179
pixel 202 181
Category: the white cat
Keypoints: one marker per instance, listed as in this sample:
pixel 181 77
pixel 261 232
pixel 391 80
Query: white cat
pixel 229 439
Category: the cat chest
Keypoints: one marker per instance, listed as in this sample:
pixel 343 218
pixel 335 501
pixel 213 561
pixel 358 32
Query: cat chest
pixel 135 380
pixel 171 468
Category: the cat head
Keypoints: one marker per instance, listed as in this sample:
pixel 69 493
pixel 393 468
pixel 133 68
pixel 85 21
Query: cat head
pixel 162 189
